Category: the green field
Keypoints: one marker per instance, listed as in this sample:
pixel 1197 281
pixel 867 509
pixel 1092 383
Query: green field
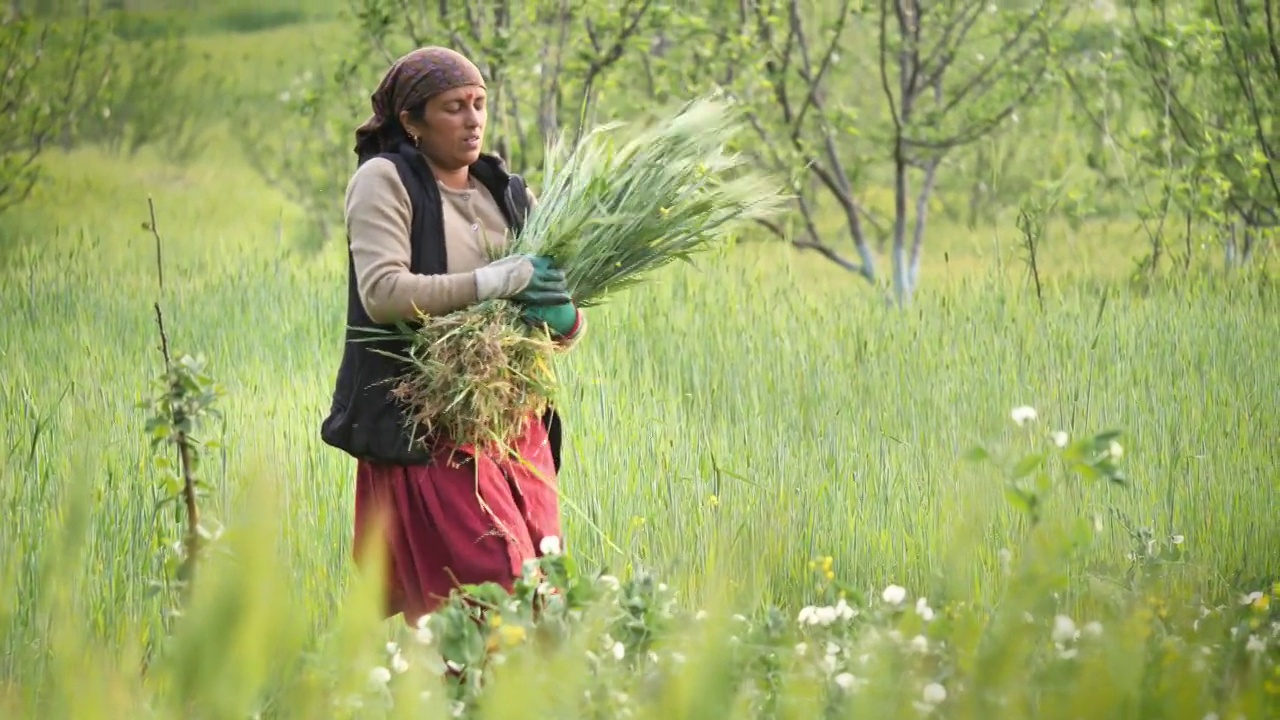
pixel 726 426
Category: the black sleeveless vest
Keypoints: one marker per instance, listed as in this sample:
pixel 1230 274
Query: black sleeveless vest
pixel 364 421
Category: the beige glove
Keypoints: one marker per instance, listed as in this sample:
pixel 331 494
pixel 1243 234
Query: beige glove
pixel 503 278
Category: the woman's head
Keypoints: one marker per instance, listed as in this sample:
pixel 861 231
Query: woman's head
pixel 435 98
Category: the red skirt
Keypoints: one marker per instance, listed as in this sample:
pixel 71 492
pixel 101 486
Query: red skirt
pixel 460 520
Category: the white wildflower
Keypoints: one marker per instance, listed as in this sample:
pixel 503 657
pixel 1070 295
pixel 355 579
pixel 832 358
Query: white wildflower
pixel 832 649
pixel 923 609
pixel 619 651
pixel 379 676
pixel 550 545
pixel 392 648
pixel 920 644
pixel 812 615
pixel 1060 438
pixel 1115 450
pixel 1093 629
pixel 1064 629
pixel 702 614
pixel 802 648
pixel 1251 598
pixel 1023 414
pixel 844 611
pixel 1256 644
pixel 934 693
pixel 847 682
pixel 1068 653
pixel 399 664
pixel 894 594
pixel 610 582
pixel 1177 539
pixel 459 708
pixel 740 618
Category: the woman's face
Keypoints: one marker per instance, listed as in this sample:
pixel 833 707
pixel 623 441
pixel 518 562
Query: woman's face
pixel 451 128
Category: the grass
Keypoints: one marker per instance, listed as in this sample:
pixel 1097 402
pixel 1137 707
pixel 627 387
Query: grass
pixel 725 426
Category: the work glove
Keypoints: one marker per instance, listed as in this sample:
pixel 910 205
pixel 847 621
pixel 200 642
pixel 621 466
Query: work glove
pixel 524 279
pixel 547 286
pixel 560 319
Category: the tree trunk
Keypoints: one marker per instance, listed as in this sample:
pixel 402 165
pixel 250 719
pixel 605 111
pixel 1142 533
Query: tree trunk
pixel 922 216
pixel 901 276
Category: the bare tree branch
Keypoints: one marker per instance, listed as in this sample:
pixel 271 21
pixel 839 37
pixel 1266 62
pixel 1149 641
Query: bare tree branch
pixel 977 79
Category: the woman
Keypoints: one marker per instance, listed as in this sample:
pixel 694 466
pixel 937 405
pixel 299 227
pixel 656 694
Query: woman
pixel 421 208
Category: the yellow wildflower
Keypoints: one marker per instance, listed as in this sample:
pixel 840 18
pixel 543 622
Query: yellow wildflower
pixel 512 634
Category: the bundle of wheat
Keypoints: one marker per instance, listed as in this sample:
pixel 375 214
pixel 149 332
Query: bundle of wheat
pixel 610 212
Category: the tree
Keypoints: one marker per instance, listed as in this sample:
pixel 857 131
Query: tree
pixel 952 73
pixel 1201 84
pixel 51 75
pixel 1211 75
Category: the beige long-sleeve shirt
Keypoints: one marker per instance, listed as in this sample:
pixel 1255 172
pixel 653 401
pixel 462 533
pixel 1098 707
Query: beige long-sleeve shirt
pixel 379 217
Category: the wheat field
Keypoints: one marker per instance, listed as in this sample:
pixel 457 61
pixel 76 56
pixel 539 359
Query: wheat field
pixel 727 424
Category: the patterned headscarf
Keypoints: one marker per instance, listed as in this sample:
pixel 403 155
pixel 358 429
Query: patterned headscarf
pixel 412 80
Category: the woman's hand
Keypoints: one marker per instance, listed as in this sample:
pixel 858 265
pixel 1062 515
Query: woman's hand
pixel 546 299
pixel 546 287
pixel 560 319
pixel 525 279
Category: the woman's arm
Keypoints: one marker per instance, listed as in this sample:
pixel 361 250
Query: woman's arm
pixel 379 216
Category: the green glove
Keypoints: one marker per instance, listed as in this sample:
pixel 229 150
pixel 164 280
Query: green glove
pixel 545 288
pixel 559 318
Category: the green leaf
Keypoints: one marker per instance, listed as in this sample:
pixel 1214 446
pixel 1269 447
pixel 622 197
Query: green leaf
pixel 1027 465
pixel 1019 499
